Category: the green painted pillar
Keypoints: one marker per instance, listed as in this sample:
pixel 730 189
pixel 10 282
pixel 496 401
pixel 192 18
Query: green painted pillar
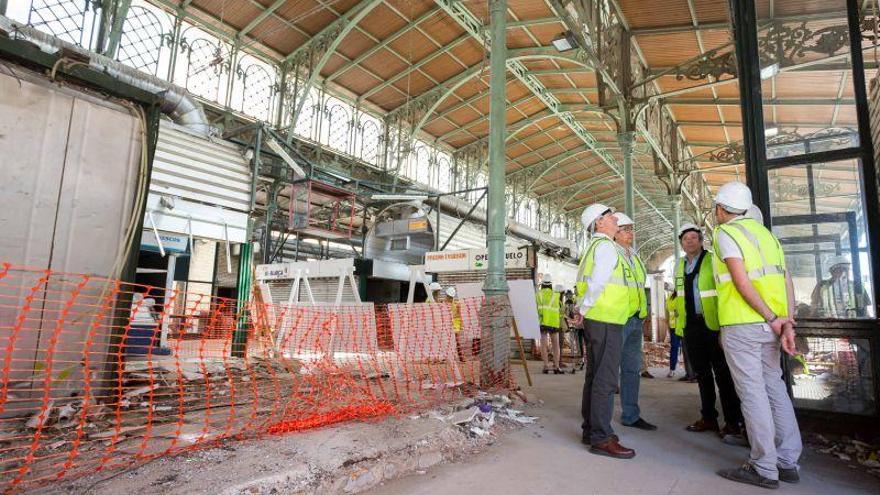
pixel 676 220
pixel 495 315
pixel 626 139
pixel 496 280
pixel 239 338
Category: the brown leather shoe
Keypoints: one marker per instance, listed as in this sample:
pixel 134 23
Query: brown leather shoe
pixel 704 425
pixel 611 448
pixel 729 429
pixel 586 440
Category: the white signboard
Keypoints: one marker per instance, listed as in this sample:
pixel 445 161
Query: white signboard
pixel 447 261
pixel 472 260
pixel 171 243
pixel 522 302
pixel 277 271
pixel 513 258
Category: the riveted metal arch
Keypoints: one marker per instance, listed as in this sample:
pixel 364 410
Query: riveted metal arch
pixel 470 73
pixel 337 31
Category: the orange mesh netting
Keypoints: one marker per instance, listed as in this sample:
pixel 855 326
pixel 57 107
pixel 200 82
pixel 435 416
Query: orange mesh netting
pixel 98 374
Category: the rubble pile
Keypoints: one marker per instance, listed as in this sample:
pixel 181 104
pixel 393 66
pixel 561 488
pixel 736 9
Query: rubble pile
pixel 856 453
pixel 173 403
pixel 478 416
pixel 656 354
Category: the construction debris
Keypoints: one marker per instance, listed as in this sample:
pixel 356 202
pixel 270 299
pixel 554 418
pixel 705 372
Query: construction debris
pixel 478 416
pixel 656 354
pixel 858 454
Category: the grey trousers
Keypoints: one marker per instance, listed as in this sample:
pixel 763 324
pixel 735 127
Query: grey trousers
pixel 600 380
pixel 753 355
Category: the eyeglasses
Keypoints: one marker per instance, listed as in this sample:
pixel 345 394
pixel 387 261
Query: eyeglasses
pixel 626 228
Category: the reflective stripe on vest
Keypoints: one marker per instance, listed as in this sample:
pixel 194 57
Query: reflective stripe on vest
pixel 638 300
pixel 707 293
pixel 549 313
pixel 764 262
pixel 612 305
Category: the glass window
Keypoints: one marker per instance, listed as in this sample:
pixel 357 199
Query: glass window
pixel 805 109
pixel 818 214
pixel 833 374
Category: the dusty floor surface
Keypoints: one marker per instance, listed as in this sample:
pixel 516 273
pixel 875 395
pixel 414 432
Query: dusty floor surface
pixel 551 459
pixel 427 456
pixel 348 458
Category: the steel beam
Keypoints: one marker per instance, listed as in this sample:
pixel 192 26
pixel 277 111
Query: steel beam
pixel 767 102
pixel 384 43
pixel 471 24
pixel 331 35
pixel 260 18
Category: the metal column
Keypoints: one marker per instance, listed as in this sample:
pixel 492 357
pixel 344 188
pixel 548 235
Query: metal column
pixel 676 220
pixel 626 148
pixel 495 315
pixel 239 337
pixel 496 281
pixel 169 294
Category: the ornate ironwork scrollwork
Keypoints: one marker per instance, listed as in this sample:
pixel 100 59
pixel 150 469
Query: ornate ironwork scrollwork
pixel 787 44
pixel 710 65
pixel 732 153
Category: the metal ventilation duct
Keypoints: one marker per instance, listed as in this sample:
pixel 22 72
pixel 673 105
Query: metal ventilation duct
pixel 176 102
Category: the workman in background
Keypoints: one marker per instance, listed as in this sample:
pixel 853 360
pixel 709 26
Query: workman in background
pixel 674 334
pixel 755 305
pixel 837 297
pixel 633 331
pixel 603 296
pixel 697 318
pixel 549 316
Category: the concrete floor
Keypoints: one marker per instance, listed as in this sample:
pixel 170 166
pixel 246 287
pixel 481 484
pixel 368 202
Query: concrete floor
pixel 549 458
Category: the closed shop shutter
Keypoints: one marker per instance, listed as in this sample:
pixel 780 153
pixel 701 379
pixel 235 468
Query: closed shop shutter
pixel 206 186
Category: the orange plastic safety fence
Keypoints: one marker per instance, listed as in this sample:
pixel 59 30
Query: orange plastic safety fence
pixel 98 374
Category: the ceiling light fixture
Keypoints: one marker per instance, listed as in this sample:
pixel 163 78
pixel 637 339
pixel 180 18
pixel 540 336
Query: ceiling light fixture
pixel 565 42
pixel 769 71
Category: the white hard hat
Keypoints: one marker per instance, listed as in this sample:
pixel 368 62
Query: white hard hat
pixel 558 288
pixel 735 195
pixel 687 227
pixel 434 286
pixel 623 219
pixel 450 291
pixel 547 279
pixel 755 213
pixel 592 212
pixel 838 260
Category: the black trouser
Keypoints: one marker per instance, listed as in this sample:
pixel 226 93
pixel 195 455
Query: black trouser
pixel 710 366
pixel 601 379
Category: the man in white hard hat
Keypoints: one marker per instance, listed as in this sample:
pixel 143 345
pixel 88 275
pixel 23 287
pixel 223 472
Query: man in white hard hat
pixel 631 346
pixel 603 297
pixel 549 304
pixel 435 288
pixel 755 299
pixel 837 297
pixel 697 323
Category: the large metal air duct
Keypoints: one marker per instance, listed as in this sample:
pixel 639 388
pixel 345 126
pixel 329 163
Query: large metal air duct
pixel 176 102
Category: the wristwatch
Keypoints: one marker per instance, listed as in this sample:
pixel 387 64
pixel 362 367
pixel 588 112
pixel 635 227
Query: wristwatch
pixel 771 319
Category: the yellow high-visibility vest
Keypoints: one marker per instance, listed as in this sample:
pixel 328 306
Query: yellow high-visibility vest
pixel 638 298
pixel 708 295
pixel 612 306
pixel 549 307
pixel 764 262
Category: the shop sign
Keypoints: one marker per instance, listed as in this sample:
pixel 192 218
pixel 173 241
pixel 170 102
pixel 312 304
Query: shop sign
pixel 447 261
pixel 277 271
pixel 513 258
pixel 172 243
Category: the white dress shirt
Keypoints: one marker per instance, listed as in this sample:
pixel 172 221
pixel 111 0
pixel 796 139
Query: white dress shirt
pixel 605 258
